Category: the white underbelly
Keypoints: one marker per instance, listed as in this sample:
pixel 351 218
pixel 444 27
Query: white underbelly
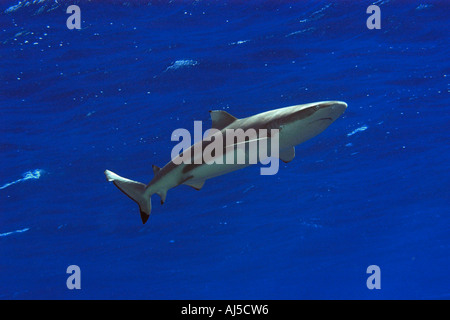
pixel 208 171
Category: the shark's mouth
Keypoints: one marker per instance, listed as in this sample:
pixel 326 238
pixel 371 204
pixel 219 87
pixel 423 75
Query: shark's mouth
pixel 322 119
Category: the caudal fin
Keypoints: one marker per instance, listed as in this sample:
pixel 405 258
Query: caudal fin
pixel 135 191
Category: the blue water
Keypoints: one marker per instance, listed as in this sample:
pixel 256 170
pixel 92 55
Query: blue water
pixel 373 189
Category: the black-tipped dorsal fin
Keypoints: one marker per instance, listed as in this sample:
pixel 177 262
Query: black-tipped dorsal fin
pixel 221 119
pixel 155 169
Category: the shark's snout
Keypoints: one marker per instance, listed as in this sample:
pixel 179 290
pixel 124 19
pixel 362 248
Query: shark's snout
pixel 333 109
pixel 340 106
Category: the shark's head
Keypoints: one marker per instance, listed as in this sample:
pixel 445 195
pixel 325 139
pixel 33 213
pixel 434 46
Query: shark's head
pixel 327 111
pixel 306 121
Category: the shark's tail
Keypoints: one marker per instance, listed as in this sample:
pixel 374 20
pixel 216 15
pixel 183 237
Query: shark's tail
pixel 135 191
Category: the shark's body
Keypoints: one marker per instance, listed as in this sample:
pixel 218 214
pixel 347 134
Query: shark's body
pixel 296 124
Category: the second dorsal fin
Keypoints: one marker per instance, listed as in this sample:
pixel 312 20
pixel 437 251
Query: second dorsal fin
pixel 221 119
pixel 155 169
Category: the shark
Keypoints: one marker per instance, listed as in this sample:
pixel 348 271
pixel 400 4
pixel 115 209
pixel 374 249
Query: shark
pixel 292 125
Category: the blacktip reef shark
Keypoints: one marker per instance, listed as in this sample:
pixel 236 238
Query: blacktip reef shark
pixel 295 125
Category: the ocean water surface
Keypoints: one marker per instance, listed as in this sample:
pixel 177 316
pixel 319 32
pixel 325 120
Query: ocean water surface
pixel 372 189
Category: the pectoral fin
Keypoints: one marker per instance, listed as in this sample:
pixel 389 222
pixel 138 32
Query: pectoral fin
pixel 287 155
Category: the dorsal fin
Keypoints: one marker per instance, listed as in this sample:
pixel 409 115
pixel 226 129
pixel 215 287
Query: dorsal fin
pixel 155 169
pixel 221 119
